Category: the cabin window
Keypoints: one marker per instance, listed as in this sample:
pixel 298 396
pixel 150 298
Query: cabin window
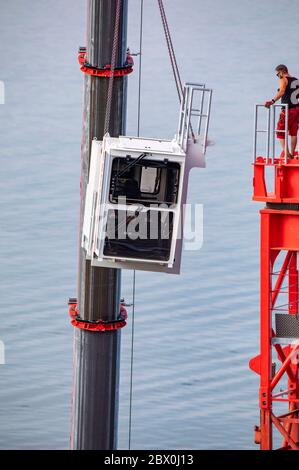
pixel 144 181
pixel 141 235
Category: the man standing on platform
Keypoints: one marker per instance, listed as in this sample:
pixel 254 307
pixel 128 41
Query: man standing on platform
pixel 288 92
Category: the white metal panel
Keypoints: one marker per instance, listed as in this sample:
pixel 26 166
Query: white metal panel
pixel 169 147
pixel 102 199
pixel 91 197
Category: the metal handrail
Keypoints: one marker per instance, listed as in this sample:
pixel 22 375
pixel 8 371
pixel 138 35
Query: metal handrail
pixel 187 112
pixel 271 116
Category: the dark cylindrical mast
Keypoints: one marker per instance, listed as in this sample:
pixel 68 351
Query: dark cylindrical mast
pixel 97 354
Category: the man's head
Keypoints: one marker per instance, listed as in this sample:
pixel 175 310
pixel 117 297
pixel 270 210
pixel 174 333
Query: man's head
pixel 281 70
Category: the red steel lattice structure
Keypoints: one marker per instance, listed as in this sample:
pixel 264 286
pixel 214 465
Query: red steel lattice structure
pixel 277 363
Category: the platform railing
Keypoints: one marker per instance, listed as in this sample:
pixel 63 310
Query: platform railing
pixel 188 111
pixel 270 131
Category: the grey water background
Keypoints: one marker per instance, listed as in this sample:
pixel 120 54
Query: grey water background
pixel 195 333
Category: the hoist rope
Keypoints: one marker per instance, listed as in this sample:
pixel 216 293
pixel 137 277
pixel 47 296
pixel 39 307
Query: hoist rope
pixel 140 68
pixel 134 272
pixel 179 87
pixel 172 56
pixel 132 359
pixel 112 67
pixel 106 129
pixel 171 52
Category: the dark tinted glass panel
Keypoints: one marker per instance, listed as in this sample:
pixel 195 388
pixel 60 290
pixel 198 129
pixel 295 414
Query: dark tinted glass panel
pixel 144 235
pixel 144 181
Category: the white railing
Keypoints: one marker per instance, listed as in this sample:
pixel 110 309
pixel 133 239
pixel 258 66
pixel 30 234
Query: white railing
pixel 270 130
pixel 187 112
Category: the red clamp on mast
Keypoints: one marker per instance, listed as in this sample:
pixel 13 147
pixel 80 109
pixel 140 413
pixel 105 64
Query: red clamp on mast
pixel 101 71
pixel 100 325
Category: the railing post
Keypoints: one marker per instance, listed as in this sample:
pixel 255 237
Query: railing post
pixel 207 120
pixel 268 134
pixel 255 133
pixel 286 133
pixel 274 130
pixel 200 112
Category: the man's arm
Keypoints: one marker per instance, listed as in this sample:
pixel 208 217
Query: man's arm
pixel 282 88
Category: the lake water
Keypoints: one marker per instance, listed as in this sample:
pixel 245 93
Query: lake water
pixel 194 333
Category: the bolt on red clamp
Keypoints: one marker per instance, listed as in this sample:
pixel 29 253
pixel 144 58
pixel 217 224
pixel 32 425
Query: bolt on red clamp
pixel 100 325
pixel 101 71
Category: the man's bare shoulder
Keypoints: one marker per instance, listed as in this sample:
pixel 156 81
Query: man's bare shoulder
pixel 283 82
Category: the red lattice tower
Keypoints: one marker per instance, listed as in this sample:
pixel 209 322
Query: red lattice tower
pixel 277 363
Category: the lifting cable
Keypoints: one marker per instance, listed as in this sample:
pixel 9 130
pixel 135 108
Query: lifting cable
pixel 106 129
pixel 112 67
pixel 179 87
pixel 134 271
pixel 172 56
